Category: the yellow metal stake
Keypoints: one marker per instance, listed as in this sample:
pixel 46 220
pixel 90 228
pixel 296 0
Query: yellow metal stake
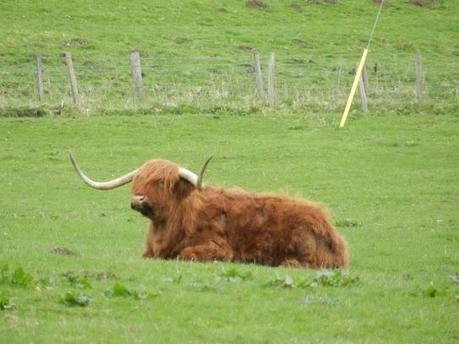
pixel 358 73
pixel 360 68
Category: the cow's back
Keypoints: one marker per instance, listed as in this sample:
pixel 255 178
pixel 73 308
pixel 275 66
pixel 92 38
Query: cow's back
pixel 272 229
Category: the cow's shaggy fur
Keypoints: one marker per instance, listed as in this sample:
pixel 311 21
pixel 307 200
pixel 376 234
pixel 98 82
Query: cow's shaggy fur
pixel 231 224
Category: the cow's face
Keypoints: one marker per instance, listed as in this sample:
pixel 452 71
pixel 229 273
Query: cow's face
pixel 151 199
pixel 157 189
pixel 143 205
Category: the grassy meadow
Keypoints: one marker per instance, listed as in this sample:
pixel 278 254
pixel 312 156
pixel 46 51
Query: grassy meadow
pixel 70 257
pixel 390 183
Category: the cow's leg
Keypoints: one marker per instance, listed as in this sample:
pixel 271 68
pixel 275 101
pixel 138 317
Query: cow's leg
pixel 148 253
pixel 207 252
pixel 149 243
pixel 291 263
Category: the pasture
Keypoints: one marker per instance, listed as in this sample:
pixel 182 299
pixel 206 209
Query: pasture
pixel 70 257
pixel 197 56
pixel 389 181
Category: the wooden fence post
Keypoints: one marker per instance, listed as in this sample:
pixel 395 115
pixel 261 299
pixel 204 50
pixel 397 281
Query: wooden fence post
pixel 271 65
pixel 40 88
pixel 363 95
pixel 136 74
pixel 339 69
pixel 419 78
pixel 73 81
pixel 259 76
pixel 365 79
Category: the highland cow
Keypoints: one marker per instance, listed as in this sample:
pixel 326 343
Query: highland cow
pixel 190 221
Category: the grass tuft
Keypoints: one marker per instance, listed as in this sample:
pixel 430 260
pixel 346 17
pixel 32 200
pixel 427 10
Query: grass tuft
pixel 5 302
pixel 234 275
pixel 73 298
pixel 120 290
pixel 80 282
pixel 323 278
pixel 333 278
pixel 17 278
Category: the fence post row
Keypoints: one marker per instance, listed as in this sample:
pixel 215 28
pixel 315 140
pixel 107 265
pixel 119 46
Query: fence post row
pixel 268 96
pixel 271 64
pixel 136 74
pixel 419 78
pixel 73 81
pixel 40 88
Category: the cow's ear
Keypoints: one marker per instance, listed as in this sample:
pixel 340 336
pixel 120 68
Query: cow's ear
pixel 183 188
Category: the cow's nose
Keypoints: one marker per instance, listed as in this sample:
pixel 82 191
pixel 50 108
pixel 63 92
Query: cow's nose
pixel 137 201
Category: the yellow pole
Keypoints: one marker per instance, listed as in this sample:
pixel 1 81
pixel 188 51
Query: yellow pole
pixel 358 73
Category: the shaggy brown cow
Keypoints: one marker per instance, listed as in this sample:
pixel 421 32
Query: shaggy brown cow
pixel 191 222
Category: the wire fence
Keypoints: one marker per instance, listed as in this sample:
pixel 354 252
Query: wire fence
pixel 202 83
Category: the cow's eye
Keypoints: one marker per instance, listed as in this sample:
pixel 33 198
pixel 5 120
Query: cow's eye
pixel 158 183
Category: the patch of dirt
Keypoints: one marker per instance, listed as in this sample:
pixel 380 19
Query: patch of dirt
pixel 245 48
pixel 10 318
pixel 296 60
pixel 296 8
pixel 322 2
pixel 258 4
pixel 64 251
pixel 426 3
pixel 302 43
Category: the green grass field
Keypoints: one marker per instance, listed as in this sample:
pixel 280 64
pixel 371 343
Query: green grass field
pixel 390 182
pixel 70 257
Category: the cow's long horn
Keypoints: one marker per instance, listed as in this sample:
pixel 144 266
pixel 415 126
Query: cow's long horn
pixel 108 185
pixel 194 179
pixel 201 173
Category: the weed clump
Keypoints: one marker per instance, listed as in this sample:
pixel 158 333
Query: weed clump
pixel 286 282
pixel 5 302
pixel 332 278
pixel 72 298
pixel 324 278
pixel 17 278
pixel 433 291
pixel 80 282
pixel 234 275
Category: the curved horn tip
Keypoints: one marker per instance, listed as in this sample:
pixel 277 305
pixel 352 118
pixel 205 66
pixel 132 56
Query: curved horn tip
pixel 201 173
pixel 71 156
